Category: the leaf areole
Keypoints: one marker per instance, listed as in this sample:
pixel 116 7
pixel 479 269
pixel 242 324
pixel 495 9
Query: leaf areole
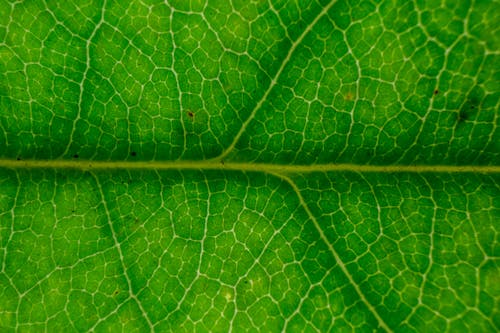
pixel 462 116
pixel 467 111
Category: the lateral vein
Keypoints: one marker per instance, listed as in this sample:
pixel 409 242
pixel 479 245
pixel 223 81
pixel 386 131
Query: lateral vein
pixel 336 256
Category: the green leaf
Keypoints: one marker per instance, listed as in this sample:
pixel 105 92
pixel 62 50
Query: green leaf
pixel 249 166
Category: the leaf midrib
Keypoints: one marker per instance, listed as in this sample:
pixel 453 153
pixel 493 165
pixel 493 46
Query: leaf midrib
pixel 269 168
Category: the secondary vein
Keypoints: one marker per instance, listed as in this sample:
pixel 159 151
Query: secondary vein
pixel 274 80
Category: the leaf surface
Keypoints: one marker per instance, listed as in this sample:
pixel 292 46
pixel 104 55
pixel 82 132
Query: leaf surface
pixel 249 166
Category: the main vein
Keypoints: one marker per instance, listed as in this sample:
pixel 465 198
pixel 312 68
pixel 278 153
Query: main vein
pixel 240 166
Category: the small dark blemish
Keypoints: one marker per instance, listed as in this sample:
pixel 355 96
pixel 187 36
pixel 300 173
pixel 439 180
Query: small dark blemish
pixel 473 103
pixel 436 92
pixel 462 116
pixel 75 156
pixel 116 292
pixel 190 114
pixel 133 153
pixel 18 158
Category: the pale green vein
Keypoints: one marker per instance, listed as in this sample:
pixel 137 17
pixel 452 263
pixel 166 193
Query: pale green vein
pixel 274 81
pixel 120 254
pixel 425 275
pixel 242 166
pixel 339 262
pixel 84 76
